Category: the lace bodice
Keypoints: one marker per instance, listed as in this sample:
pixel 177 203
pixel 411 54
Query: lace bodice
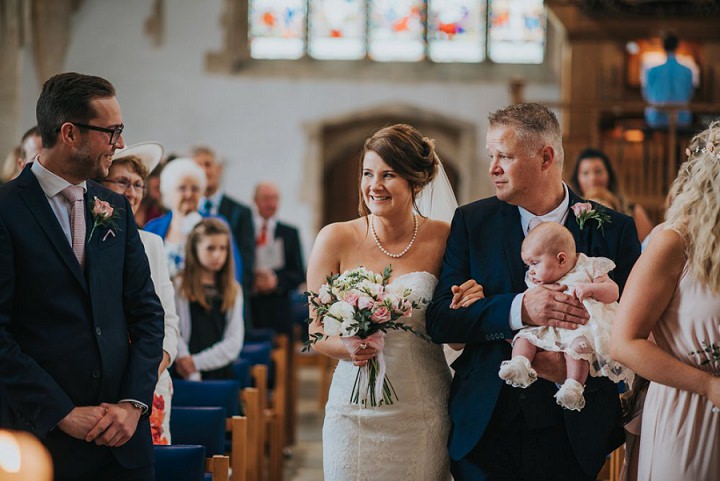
pixel 405 440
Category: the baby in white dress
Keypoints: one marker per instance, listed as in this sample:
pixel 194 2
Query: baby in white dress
pixel 549 253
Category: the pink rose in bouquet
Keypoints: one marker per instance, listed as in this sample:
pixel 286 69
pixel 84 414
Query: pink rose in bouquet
pixel 360 307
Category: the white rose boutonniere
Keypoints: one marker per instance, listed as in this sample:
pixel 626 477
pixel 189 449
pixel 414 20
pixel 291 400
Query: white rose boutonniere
pixel 585 212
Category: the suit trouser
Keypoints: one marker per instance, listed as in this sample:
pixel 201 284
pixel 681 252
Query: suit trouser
pixel 104 467
pixel 515 453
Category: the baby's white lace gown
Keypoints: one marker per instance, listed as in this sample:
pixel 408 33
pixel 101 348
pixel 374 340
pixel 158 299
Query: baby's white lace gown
pixel 596 331
pixel 406 440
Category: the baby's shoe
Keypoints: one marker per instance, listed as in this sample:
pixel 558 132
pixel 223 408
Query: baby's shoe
pixel 518 372
pixel 570 395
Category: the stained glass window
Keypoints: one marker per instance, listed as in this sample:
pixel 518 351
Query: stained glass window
pixel 505 31
pixel 277 28
pixel 456 30
pixel 337 29
pixel 517 31
pixel 396 31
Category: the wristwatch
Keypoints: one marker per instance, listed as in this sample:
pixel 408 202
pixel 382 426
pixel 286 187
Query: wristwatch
pixel 137 405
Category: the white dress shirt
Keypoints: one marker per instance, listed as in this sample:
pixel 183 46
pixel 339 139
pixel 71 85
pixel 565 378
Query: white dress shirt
pixel 558 214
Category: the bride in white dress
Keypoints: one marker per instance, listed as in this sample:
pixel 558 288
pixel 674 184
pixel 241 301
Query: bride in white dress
pixel 406 440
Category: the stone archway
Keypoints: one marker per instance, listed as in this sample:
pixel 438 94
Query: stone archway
pixel 335 144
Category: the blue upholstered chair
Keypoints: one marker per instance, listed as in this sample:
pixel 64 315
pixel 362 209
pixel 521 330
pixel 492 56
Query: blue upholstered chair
pixel 199 425
pixel 179 463
pixel 225 394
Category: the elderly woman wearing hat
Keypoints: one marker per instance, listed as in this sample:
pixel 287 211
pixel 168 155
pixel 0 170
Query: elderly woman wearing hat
pixel 182 183
pixel 127 175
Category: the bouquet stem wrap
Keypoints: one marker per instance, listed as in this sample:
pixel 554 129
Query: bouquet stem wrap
pixel 372 387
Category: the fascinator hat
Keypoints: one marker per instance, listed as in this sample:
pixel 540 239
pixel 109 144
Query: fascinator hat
pixel 150 153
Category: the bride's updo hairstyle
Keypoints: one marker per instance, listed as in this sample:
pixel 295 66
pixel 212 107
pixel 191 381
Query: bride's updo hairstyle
pixel 407 152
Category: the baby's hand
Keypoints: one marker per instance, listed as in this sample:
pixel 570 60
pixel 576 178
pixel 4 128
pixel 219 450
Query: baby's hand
pixel 582 293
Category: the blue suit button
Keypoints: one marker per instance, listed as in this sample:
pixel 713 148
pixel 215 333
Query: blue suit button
pixel 96 374
pixel 98 331
pixel 523 395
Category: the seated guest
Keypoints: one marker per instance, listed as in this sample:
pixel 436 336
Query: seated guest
pixel 182 183
pixel 210 305
pixel 129 168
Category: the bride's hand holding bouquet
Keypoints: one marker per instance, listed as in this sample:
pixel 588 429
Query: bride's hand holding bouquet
pixel 360 306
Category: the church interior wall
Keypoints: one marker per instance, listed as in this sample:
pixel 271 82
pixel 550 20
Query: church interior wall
pixel 255 123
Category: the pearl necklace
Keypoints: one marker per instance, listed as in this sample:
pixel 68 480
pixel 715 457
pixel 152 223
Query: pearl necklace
pixel 385 251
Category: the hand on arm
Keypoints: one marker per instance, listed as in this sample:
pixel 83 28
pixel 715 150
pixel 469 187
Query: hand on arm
pixel 466 294
pixel 547 305
pixel 602 289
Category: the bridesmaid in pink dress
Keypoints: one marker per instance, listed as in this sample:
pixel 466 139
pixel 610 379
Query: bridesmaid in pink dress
pixel 673 292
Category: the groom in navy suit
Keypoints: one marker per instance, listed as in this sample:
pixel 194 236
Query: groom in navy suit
pixel 81 328
pixel 501 432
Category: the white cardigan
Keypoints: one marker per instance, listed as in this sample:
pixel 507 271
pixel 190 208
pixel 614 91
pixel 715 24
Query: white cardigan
pixel 163 288
pixel 222 352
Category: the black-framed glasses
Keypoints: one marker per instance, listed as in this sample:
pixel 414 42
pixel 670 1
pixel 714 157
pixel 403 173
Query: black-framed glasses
pixel 114 132
pixel 126 184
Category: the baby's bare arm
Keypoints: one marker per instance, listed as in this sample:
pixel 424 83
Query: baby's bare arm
pixel 602 289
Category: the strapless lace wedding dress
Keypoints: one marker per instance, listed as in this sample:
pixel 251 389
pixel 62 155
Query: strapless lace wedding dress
pixel 406 440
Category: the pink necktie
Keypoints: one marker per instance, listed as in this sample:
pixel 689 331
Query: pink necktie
pixel 74 195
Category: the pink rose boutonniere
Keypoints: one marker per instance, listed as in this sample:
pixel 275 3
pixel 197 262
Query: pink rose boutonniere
pixel 585 212
pixel 104 215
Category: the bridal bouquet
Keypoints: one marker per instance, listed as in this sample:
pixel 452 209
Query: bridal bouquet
pixel 360 307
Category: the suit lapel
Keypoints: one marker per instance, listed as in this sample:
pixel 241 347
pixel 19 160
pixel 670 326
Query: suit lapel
pixel 512 239
pixel 34 197
pixel 224 209
pixel 582 237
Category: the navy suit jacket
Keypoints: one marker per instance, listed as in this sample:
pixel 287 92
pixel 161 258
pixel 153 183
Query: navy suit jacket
pixel 240 219
pixel 275 309
pixel 71 338
pixel 484 245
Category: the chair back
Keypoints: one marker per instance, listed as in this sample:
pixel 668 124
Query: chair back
pixel 199 425
pixel 225 394
pixel 241 369
pixel 179 463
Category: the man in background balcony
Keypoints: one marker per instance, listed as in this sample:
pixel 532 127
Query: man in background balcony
pixel 669 83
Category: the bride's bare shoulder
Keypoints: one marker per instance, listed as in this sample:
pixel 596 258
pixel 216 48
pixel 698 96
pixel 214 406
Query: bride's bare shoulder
pixel 340 234
pixel 437 229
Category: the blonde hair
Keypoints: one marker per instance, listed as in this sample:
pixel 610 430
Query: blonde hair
pixel 695 206
pixel 191 286
pixel 603 196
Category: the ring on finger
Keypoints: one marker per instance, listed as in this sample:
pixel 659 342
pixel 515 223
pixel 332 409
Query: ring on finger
pixel 363 345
